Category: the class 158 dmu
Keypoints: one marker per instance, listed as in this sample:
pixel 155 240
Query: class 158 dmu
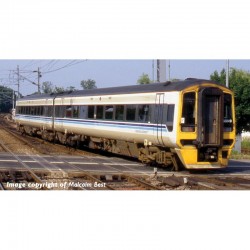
pixel 188 123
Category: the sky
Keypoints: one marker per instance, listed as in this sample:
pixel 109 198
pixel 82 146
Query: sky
pixel 106 73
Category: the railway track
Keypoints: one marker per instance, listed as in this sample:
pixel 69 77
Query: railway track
pixel 54 176
pixel 76 178
pixel 73 176
pixel 26 167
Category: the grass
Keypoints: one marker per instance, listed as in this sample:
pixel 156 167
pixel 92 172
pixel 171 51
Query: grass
pixel 245 144
pixel 239 156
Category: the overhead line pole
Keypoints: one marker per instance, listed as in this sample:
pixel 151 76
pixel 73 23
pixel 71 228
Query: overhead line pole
pixel 169 70
pixel 13 99
pixel 38 80
pixel 227 74
pixel 18 81
pixel 161 70
pixel 153 70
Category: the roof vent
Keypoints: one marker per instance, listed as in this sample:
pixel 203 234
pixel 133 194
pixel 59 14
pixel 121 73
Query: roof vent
pixel 167 83
pixel 191 78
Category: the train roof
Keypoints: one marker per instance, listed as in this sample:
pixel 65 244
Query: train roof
pixel 143 88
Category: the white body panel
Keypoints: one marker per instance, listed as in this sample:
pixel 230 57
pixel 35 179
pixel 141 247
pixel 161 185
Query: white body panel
pixel 110 129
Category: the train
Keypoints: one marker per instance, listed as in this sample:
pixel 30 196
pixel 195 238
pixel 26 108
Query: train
pixel 186 124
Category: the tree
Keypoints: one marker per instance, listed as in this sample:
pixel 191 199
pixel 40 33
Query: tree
pixel 144 79
pixel 6 95
pixel 239 81
pixel 59 89
pixel 88 84
pixel 47 87
pixel 71 88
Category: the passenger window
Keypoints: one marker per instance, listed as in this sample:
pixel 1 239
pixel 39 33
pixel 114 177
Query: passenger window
pixel 41 110
pixel 56 111
pixel 37 110
pixel 62 111
pixel 50 111
pixel 99 112
pixel 75 111
pixel 83 112
pixel 32 110
pixel 59 111
pixel 68 112
pixel 143 113
pixel 119 111
pixel 170 117
pixel 188 113
pixel 45 111
pixel 109 110
pixel 91 112
pixel 130 112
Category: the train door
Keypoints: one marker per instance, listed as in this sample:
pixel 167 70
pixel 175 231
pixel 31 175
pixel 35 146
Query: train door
pixel 159 117
pixel 211 114
pixel 58 113
pixel 47 115
pixel 62 114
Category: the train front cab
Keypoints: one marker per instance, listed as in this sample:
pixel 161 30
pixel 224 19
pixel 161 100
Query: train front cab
pixel 206 127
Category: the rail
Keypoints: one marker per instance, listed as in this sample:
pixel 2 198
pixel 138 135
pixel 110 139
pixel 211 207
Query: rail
pixel 87 175
pixel 31 172
pixel 141 183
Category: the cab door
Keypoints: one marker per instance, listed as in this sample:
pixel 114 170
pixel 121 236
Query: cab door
pixel 159 118
pixel 211 114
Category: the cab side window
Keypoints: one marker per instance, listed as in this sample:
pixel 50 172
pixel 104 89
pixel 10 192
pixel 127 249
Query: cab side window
pixel 188 112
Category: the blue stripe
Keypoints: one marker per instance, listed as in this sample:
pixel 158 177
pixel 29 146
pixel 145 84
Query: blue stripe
pixel 129 125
